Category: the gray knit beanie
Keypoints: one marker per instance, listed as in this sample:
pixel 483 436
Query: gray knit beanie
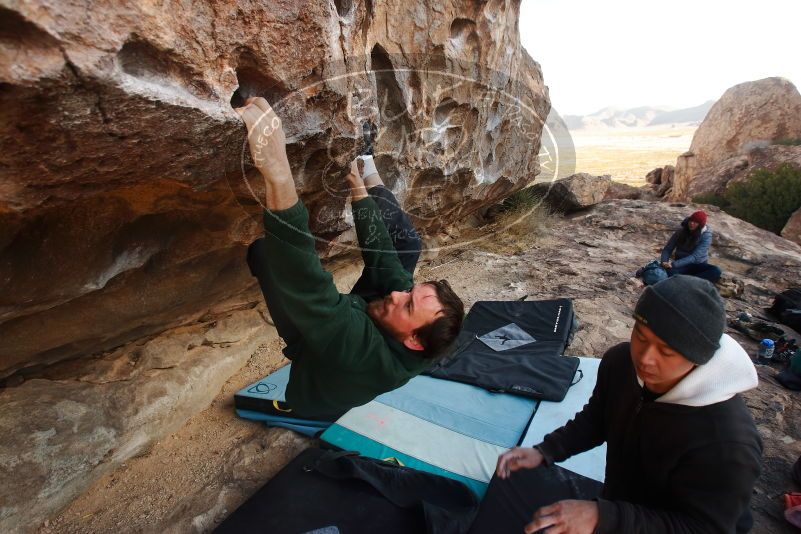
pixel 687 313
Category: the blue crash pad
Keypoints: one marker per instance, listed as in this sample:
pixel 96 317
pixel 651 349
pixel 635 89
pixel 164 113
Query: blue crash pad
pixel 458 430
pixel 248 401
pixel 552 415
pixel 439 426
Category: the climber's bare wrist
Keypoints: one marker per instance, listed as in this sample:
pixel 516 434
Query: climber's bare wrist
pixel 354 181
pixel 358 192
pixel 277 174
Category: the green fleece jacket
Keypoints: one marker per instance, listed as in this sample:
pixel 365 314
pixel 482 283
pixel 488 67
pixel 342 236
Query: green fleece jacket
pixel 344 359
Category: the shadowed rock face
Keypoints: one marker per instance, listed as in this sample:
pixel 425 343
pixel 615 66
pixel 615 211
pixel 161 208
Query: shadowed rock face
pixel 792 230
pixel 125 204
pixel 717 178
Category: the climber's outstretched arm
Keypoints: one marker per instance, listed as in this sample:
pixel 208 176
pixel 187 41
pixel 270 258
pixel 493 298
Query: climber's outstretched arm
pixel 268 148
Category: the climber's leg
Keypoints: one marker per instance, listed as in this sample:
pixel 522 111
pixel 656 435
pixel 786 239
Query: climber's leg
pixel 404 237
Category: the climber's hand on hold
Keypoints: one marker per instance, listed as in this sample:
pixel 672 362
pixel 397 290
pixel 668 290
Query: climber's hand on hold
pixel 355 182
pixel 268 148
pixel 266 139
pixel 354 176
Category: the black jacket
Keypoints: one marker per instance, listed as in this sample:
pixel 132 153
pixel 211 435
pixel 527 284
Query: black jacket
pixel 670 467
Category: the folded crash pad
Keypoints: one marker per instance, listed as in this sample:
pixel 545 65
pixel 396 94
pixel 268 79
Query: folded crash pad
pixel 514 347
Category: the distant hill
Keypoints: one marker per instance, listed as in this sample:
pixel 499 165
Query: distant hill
pixel 695 114
pixel 636 117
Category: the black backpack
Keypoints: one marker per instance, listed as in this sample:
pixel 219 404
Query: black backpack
pixel 787 308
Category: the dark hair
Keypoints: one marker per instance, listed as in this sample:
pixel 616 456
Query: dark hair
pixel 437 335
pixel 688 238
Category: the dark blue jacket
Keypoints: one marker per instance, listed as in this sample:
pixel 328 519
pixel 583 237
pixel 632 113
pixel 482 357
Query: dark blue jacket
pixel 689 252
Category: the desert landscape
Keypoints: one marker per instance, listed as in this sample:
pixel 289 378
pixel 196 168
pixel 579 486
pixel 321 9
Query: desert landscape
pixel 627 154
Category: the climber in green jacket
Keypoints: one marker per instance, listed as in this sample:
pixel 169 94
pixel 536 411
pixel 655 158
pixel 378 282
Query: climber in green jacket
pixel 344 350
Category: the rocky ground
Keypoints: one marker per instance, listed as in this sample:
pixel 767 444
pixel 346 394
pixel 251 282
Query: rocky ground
pixel 190 480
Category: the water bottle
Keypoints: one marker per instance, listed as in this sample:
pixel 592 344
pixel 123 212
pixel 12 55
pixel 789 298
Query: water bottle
pixel 765 354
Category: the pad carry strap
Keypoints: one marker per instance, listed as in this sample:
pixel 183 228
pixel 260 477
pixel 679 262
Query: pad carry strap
pixel 580 374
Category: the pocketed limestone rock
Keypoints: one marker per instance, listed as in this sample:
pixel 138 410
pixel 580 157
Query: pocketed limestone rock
pixel 127 198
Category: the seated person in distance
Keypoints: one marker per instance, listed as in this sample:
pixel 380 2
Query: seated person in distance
pixel 689 246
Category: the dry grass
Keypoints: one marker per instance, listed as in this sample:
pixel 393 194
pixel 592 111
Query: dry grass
pixel 520 227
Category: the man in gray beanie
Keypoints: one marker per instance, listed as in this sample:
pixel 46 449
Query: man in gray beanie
pixel 687 313
pixel 683 452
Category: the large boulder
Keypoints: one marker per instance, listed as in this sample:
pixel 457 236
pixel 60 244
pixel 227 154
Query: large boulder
pixel 748 115
pixel 654 177
pixel 660 180
pixel 127 200
pixel 573 193
pixel 621 191
pixel 716 178
pixel 792 230
pixel 61 431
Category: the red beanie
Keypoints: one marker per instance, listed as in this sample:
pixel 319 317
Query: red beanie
pixel 699 217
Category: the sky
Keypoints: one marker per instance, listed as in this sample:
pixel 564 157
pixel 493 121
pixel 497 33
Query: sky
pixel 677 54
